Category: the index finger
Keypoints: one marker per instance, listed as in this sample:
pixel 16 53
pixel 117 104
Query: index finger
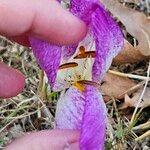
pixel 44 19
pixel 46 140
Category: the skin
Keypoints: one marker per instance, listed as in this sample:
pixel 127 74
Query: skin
pixel 46 20
pixel 47 140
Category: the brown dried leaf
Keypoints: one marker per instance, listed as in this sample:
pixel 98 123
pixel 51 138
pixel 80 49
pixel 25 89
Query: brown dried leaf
pixel 136 23
pixel 128 54
pixel 115 86
pixel 132 102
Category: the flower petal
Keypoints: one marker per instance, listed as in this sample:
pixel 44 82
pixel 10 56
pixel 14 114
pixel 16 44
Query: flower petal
pixel 83 9
pixel 109 41
pixel 64 78
pixel 70 108
pixel 108 37
pixel 94 120
pixel 48 57
pixel 68 51
pixel 85 111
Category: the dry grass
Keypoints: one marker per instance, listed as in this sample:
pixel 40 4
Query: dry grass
pixel 34 108
pixel 25 112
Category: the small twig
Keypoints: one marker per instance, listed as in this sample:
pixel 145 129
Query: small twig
pixel 41 86
pixel 22 116
pixel 146 134
pixel 142 126
pixel 40 91
pixel 46 112
pixel 128 75
pixel 142 94
pixel 134 88
pixel 7 125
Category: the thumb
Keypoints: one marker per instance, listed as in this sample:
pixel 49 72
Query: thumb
pixel 11 81
pixel 46 140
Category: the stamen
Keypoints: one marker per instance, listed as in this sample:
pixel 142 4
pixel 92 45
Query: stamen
pixel 90 54
pixel 79 86
pixel 87 82
pixel 82 49
pixel 68 65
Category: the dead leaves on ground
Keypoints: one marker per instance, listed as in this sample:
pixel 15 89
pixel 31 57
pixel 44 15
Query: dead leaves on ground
pixel 128 54
pixel 136 24
pixel 132 102
pixel 116 86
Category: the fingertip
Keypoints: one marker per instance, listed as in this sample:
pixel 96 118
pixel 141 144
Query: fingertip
pixel 72 31
pixel 12 81
pixel 77 32
pixel 45 140
pixel 74 146
pixel 57 25
pixel 43 19
pixel 22 39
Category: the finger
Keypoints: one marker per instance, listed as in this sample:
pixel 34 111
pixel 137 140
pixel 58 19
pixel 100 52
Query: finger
pixel 11 81
pixel 44 19
pixel 22 39
pixel 74 146
pixel 45 140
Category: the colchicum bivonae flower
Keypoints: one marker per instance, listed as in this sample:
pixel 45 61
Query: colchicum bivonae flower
pixel 79 68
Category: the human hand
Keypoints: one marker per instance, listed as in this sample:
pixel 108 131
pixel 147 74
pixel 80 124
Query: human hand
pixel 47 140
pixel 44 19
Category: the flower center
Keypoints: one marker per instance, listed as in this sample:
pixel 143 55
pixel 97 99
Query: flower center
pixel 79 86
pixel 79 69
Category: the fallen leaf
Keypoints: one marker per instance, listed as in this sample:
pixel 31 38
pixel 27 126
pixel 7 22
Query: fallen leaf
pixel 132 102
pixel 136 23
pixel 128 54
pixel 115 86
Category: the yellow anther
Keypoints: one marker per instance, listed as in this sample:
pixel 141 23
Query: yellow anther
pixel 79 86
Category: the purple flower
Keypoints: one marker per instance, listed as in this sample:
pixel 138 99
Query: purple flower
pixel 81 106
pixel 85 111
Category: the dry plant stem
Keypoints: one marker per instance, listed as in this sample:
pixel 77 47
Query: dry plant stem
pixel 26 101
pixel 116 110
pixel 7 125
pixel 41 87
pixel 142 126
pixel 21 116
pixel 141 96
pixel 42 96
pixel 146 134
pixel 15 118
pixel 134 88
pixel 126 124
pixel 46 112
pixel 128 75
pixel 40 90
